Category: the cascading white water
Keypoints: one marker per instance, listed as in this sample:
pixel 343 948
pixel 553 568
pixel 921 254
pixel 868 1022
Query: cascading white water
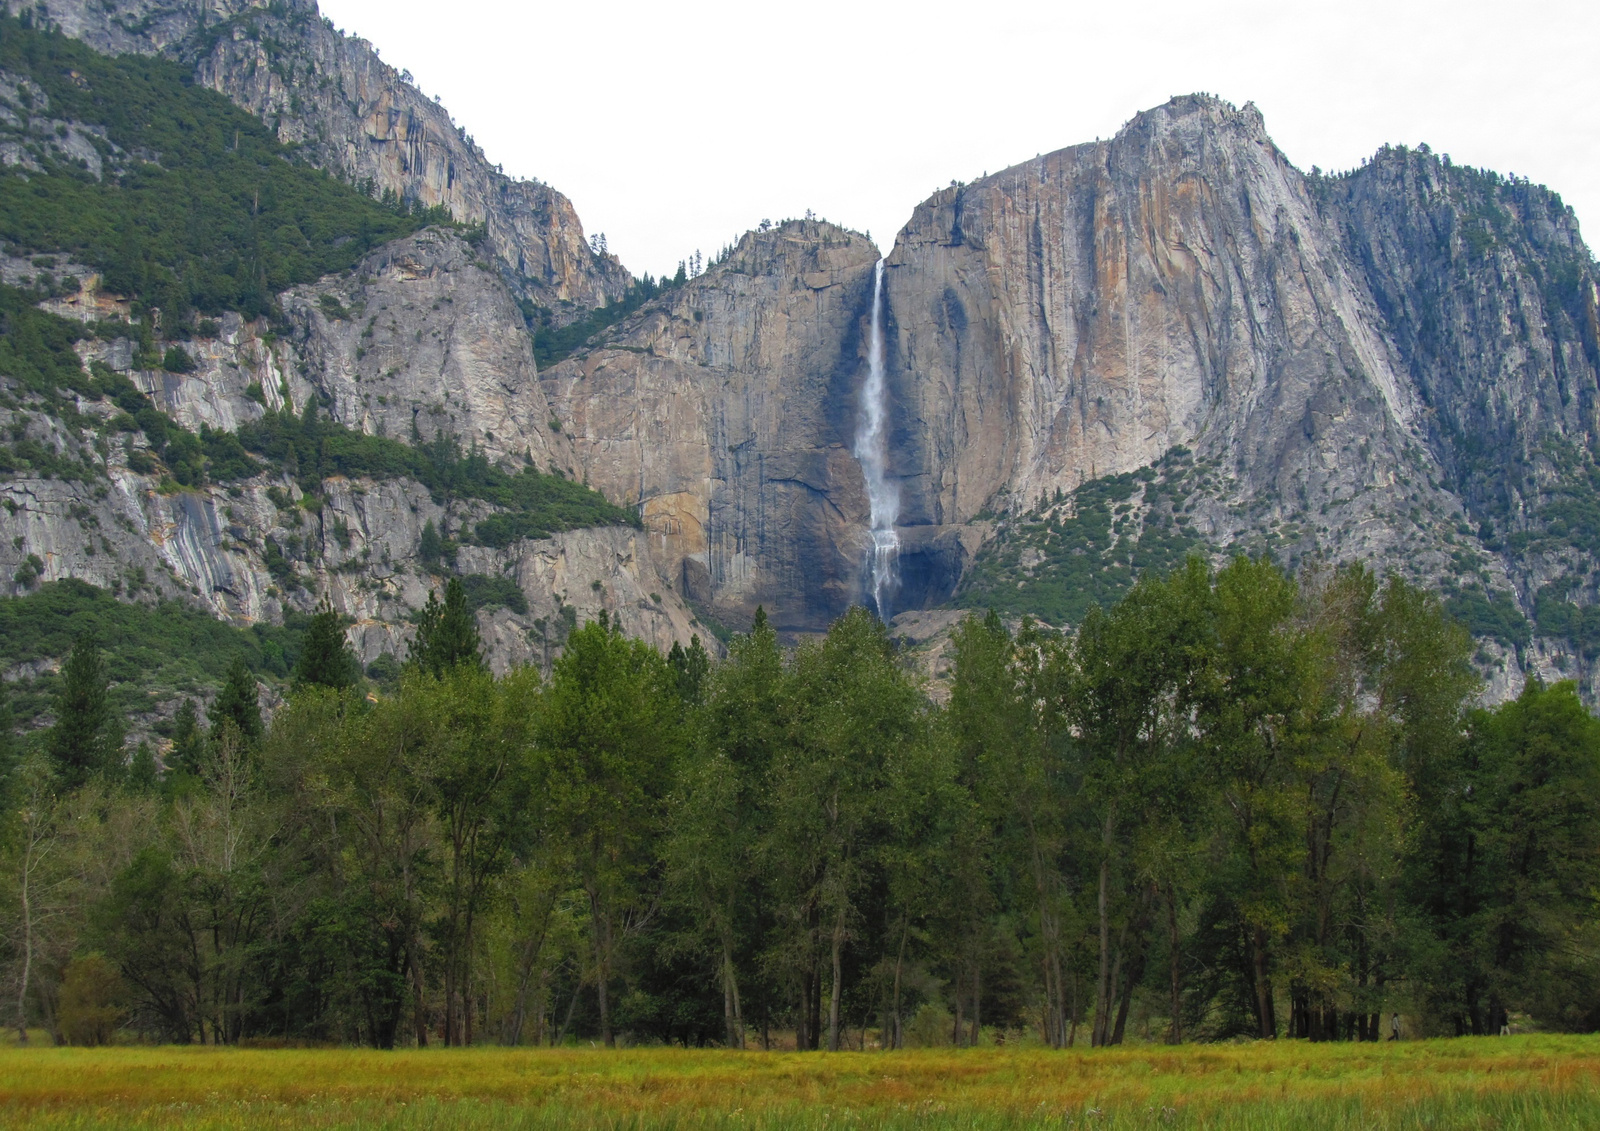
pixel 872 449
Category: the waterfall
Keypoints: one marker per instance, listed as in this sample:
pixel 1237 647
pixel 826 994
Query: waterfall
pixel 872 450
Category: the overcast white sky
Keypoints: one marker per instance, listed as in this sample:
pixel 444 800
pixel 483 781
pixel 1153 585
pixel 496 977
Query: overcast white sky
pixel 677 126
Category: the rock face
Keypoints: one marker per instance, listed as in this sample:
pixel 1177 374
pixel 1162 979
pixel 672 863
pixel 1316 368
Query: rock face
pixel 461 365
pixel 1335 352
pixel 1081 314
pixel 424 337
pixel 1398 365
pixel 355 115
pixel 1489 294
pixel 726 411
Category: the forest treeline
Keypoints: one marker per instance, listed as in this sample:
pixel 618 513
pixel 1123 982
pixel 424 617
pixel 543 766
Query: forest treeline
pixel 1235 803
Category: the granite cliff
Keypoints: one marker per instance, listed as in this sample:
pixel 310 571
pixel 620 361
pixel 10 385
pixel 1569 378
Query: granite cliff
pixel 1176 329
pixel 724 412
pixel 1097 361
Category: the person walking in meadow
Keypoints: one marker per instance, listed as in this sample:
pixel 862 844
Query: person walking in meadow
pixel 1394 1027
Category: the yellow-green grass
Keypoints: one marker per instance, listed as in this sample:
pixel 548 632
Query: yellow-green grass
pixel 1516 1082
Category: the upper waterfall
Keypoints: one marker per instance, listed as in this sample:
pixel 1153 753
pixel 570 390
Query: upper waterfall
pixel 872 450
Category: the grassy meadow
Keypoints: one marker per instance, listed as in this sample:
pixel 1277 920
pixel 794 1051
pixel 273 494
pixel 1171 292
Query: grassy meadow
pixel 1517 1082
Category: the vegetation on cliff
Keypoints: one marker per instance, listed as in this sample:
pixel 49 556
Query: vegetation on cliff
pixel 189 207
pixel 194 205
pixel 154 653
pixel 1072 553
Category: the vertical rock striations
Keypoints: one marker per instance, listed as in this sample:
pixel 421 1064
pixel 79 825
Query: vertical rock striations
pixel 726 411
pixel 1080 314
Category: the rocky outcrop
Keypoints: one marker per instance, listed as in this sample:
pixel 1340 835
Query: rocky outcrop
pixel 423 337
pixel 346 110
pixel 725 411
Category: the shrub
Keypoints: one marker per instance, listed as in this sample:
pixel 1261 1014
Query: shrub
pixel 930 1028
pixel 91 1001
pixel 177 360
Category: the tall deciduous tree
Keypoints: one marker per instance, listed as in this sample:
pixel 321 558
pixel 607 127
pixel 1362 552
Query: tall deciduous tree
pixel 1518 864
pixel 718 805
pixel 854 708
pixel 478 769
pixel 1248 713
pixel 1133 678
pixel 608 735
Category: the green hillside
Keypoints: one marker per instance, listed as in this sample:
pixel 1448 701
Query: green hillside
pixel 196 206
pixel 190 207
pixel 154 653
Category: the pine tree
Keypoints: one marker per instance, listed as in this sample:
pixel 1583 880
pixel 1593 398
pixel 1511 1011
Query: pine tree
pixel 86 738
pixel 142 777
pixel 690 667
pixel 325 656
pixel 431 546
pixel 447 634
pixel 188 741
pixel 238 703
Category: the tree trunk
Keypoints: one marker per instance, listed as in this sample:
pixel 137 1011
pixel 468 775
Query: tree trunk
pixel 977 1003
pixel 899 965
pixel 601 932
pixel 1135 976
pixel 836 994
pixel 1051 931
pixel 466 989
pixel 27 946
pixel 572 1007
pixel 1175 1033
pixel 731 1018
pixel 449 1005
pixel 1266 1016
pixel 955 1030
pixel 601 977
pixel 814 1022
pixel 1137 951
pixel 738 1006
pixel 420 1001
pixel 801 1025
pixel 1072 1034
pixel 1048 1018
pixel 1102 1017
pixel 530 954
pixel 1102 997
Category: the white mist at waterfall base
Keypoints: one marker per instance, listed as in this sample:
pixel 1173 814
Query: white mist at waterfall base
pixel 872 450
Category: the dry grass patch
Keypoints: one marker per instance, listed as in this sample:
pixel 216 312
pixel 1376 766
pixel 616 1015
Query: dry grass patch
pixel 1531 1082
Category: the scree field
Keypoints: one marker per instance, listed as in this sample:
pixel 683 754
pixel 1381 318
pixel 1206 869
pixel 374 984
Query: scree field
pixel 1518 1082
